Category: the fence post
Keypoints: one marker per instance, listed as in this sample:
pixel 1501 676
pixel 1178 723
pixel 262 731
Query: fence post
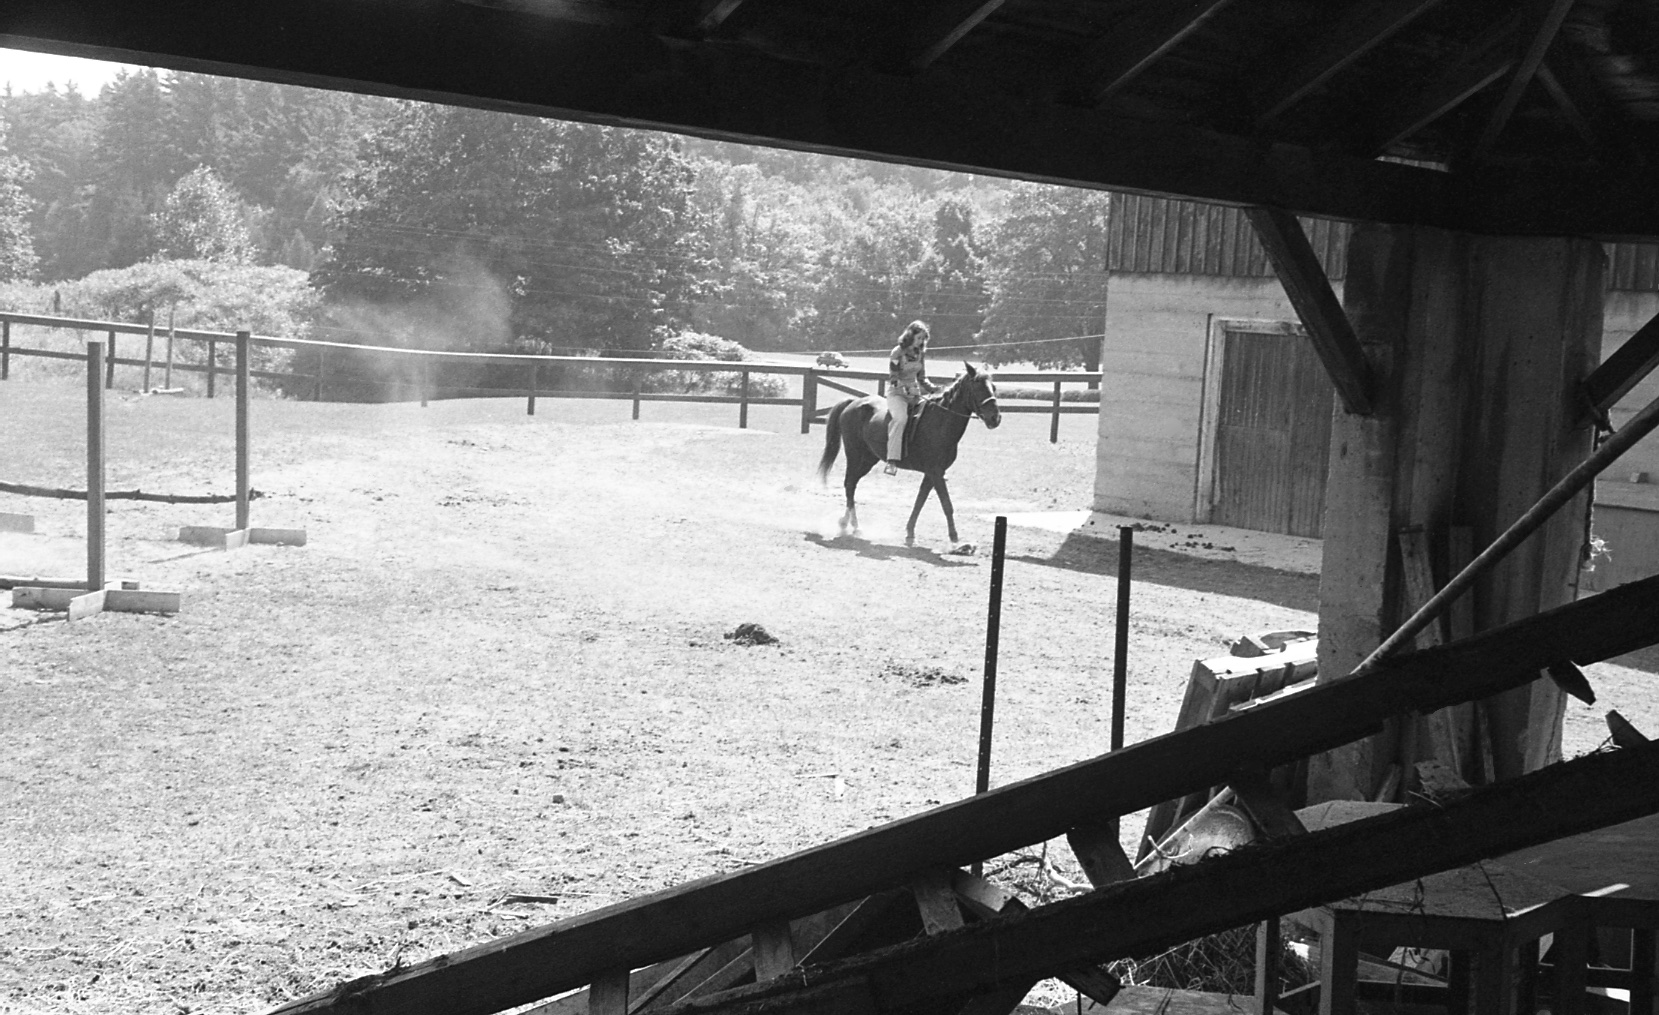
pixel 5 350
pixel 94 466
pixel 743 403
pixel 1054 423
pixel 535 369
pixel 322 368
pixel 425 378
pixel 881 388
pixel 243 374
pixel 168 381
pixel 638 381
pixel 809 399
pixel 109 361
pixel 149 350
pixel 212 364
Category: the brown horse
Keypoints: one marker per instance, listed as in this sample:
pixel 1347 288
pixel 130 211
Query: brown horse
pixel 861 425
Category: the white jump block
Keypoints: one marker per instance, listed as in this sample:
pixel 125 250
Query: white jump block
pixel 10 522
pixel 81 604
pixel 12 581
pixel 210 535
pixel 277 537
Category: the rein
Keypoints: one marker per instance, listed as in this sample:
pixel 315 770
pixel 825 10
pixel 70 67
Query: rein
pixel 950 392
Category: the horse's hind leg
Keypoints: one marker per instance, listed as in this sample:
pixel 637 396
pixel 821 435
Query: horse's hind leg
pixel 849 519
pixel 944 502
pixel 921 498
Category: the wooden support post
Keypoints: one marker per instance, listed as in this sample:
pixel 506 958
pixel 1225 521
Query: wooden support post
pixel 809 400
pixel 638 381
pixel 212 364
pixel 608 994
pixel 1120 641
pixel 149 348
pixel 5 350
pixel 530 395
pixel 743 403
pixel 109 362
pixel 322 372
pixel 1304 281
pixel 1054 420
pixel 243 396
pixel 1268 947
pixel 95 466
pixel 774 950
pixel 993 625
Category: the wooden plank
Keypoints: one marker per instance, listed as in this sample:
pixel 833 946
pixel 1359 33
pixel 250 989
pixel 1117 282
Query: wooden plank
pixel 774 949
pixel 1321 312
pixel 984 900
pixel 844 937
pixel 936 901
pixel 87 604
pixel 203 535
pixel 1266 807
pixel 1357 33
pixel 686 976
pixel 1246 885
pixel 609 994
pixel 1624 734
pixel 1101 854
pixel 1482 62
pixel 33 597
pixel 1623 370
pixel 277 537
pixel 1139 40
pixel 148 601
pixel 236 539
pixel 12 522
pixel 711 14
pixel 942 25
pixel 1544 19
pixel 568 954
pixel 1417 573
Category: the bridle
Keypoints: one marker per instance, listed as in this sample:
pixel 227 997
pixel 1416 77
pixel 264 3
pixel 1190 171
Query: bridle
pixel 971 413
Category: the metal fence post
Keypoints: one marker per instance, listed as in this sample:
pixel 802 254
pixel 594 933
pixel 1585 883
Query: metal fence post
pixel 743 403
pixel 94 466
pixel 809 400
pixel 243 375
pixel 1054 424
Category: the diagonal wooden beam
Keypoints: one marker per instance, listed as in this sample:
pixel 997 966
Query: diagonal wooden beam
pixel 1316 304
pixel 1132 46
pixel 1484 61
pixel 1247 885
pixel 570 954
pixel 942 25
pixel 711 14
pixel 1545 20
pixel 1575 115
pixel 1623 370
pixel 1365 26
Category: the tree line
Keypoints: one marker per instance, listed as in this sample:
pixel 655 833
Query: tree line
pixel 414 224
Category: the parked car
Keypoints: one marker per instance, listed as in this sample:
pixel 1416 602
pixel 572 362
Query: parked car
pixel 831 359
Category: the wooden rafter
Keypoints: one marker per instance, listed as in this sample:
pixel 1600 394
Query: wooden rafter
pixel 942 25
pixel 1365 26
pixel 711 14
pixel 1131 47
pixel 1316 304
pixel 574 952
pixel 1623 370
pixel 1545 17
pixel 1484 61
pixel 1250 884
pixel 1568 105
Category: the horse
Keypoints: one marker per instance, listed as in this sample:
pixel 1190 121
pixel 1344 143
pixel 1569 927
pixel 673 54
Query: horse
pixel 861 425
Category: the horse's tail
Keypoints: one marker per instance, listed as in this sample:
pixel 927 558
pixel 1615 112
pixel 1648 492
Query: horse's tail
pixel 832 439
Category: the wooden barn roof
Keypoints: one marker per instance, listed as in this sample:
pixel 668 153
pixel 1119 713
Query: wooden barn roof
pixel 1504 116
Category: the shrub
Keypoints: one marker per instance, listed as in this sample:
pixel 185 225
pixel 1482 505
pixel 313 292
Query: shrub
pixel 693 345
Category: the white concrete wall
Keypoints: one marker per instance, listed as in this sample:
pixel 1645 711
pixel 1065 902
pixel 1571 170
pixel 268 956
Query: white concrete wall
pixel 1152 388
pixel 1627 513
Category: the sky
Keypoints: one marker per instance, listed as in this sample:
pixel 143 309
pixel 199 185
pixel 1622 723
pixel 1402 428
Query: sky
pixel 29 72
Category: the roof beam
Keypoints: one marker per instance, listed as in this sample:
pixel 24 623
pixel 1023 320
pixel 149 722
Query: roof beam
pixel 1365 26
pixel 1132 46
pixel 711 14
pixel 942 25
pixel 1316 304
pixel 1623 370
pixel 1545 17
pixel 1485 60
pixel 438 51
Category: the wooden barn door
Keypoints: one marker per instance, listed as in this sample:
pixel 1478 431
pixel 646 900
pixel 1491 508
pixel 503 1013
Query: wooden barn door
pixel 1272 431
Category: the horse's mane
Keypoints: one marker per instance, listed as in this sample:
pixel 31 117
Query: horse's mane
pixel 955 382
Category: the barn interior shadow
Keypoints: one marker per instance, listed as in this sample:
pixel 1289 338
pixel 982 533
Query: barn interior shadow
pixel 884 551
pixel 1093 555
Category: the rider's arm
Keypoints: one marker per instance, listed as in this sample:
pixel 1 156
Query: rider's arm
pixel 893 375
pixel 921 376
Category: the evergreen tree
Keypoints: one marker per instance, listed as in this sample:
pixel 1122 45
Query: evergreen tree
pixel 17 253
pixel 202 220
pixel 133 166
pixel 463 228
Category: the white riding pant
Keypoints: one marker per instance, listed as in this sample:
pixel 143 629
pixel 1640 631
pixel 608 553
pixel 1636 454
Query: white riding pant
pixel 898 410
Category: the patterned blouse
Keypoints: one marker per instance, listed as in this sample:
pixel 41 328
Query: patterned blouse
pixel 907 372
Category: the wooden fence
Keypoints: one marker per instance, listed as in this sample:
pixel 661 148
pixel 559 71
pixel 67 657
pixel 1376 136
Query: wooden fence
pixel 419 365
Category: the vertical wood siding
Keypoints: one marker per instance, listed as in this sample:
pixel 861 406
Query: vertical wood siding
pixel 1160 235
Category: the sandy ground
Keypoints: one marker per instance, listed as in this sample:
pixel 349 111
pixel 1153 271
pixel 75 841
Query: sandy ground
pixel 500 665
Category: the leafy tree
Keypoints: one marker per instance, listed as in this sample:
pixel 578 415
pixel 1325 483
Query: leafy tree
pixel 867 276
pixel 1046 278
pixel 133 164
pixel 951 277
pixel 17 253
pixel 202 220
pixel 469 229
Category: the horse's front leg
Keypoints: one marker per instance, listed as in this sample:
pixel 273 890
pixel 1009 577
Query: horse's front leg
pixel 944 502
pixel 921 498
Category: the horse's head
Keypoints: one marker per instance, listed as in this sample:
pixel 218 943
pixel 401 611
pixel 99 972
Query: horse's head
pixel 979 395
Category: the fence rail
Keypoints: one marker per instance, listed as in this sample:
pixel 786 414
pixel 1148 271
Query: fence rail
pixel 418 381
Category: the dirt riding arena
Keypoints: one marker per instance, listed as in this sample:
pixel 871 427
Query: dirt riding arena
pixel 500 669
